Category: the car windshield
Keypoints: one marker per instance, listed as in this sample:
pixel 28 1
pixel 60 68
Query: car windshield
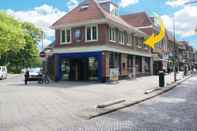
pixel 35 70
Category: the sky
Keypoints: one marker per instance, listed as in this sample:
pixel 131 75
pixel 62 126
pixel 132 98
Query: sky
pixel 44 13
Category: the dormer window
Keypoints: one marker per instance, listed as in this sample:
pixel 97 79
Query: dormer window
pixel 83 7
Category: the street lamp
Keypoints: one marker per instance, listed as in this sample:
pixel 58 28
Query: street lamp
pixel 175 51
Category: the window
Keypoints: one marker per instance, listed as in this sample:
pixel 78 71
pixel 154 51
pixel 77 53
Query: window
pixel 121 38
pixel 66 36
pixel 92 33
pixel 126 38
pixel 77 35
pixel 140 43
pixel 136 41
pixel 63 36
pixel 112 34
pixel 132 40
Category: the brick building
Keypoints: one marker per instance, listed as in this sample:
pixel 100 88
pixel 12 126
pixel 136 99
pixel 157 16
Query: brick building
pixel 146 23
pixel 92 40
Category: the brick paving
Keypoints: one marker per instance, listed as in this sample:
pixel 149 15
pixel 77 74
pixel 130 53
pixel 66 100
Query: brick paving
pixel 49 107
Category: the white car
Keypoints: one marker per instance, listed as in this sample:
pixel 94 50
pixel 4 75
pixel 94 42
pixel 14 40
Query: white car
pixel 34 73
pixel 3 72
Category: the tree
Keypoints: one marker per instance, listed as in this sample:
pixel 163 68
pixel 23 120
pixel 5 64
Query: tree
pixel 18 43
pixel 11 34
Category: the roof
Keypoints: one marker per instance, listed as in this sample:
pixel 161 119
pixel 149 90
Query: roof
pixel 93 12
pixel 148 31
pixel 139 19
pixel 142 21
pixel 78 15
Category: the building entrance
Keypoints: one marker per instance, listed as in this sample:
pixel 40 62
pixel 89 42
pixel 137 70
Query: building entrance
pixel 79 69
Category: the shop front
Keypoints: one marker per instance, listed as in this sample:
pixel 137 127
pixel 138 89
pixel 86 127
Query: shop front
pixel 78 66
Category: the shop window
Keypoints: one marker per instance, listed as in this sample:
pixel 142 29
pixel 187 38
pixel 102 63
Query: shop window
pixel 93 65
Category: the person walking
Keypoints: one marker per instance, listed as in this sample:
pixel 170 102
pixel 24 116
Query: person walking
pixel 26 76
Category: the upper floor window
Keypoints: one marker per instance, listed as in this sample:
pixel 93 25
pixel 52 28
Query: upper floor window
pixel 126 38
pixel 112 34
pixel 136 41
pixel 66 36
pixel 140 42
pixel 92 33
pixel 121 37
pixel 77 34
pixel 115 12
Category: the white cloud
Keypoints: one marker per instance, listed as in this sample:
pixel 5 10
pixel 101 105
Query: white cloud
pixel 185 21
pixel 178 3
pixel 72 4
pixel 126 3
pixel 43 17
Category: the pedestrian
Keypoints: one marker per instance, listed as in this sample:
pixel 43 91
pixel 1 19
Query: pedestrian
pixel 26 76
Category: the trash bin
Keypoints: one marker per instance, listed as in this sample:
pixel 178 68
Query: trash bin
pixel 185 71
pixel 161 78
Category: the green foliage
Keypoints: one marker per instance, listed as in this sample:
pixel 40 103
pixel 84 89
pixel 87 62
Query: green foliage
pixel 11 34
pixel 18 43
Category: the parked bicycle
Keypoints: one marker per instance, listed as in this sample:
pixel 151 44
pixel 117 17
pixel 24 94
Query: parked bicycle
pixel 44 79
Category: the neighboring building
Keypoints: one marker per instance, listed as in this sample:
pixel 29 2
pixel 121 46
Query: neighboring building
pixel 92 40
pixel 182 55
pixel 195 58
pixel 147 24
pixel 172 44
pixel 185 55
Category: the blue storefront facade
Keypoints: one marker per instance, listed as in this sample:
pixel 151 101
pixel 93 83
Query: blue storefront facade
pixel 60 57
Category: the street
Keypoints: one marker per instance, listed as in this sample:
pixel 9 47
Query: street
pixel 37 108
pixel 173 111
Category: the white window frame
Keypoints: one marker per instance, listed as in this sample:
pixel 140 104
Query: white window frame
pixel 126 34
pixel 113 34
pixel 79 35
pixel 66 42
pixel 139 42
pixel 121 37
pixel 91 33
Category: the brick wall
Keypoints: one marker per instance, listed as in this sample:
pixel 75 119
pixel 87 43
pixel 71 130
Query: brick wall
pixel 57 38
pixel 102 36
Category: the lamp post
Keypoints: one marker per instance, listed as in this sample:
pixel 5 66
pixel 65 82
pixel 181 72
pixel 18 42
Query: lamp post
pixel 175 51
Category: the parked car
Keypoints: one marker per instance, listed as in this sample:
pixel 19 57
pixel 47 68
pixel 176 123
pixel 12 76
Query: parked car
pixel 3 72
pixel 35 74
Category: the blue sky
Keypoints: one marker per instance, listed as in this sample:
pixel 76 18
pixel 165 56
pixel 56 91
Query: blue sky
pixel 45 12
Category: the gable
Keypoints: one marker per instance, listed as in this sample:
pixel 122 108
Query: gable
pixel 92 12
pixel 138 19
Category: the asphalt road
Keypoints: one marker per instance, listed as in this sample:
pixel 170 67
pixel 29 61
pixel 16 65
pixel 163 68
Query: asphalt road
pixel 175 110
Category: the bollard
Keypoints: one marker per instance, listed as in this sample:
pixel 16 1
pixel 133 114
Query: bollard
pixel 161 78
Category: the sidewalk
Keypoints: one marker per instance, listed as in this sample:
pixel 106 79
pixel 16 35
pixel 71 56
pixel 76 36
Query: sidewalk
pixel 62 104
pixel 84 97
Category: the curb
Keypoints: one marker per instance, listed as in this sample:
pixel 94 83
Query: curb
pixel 131 103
